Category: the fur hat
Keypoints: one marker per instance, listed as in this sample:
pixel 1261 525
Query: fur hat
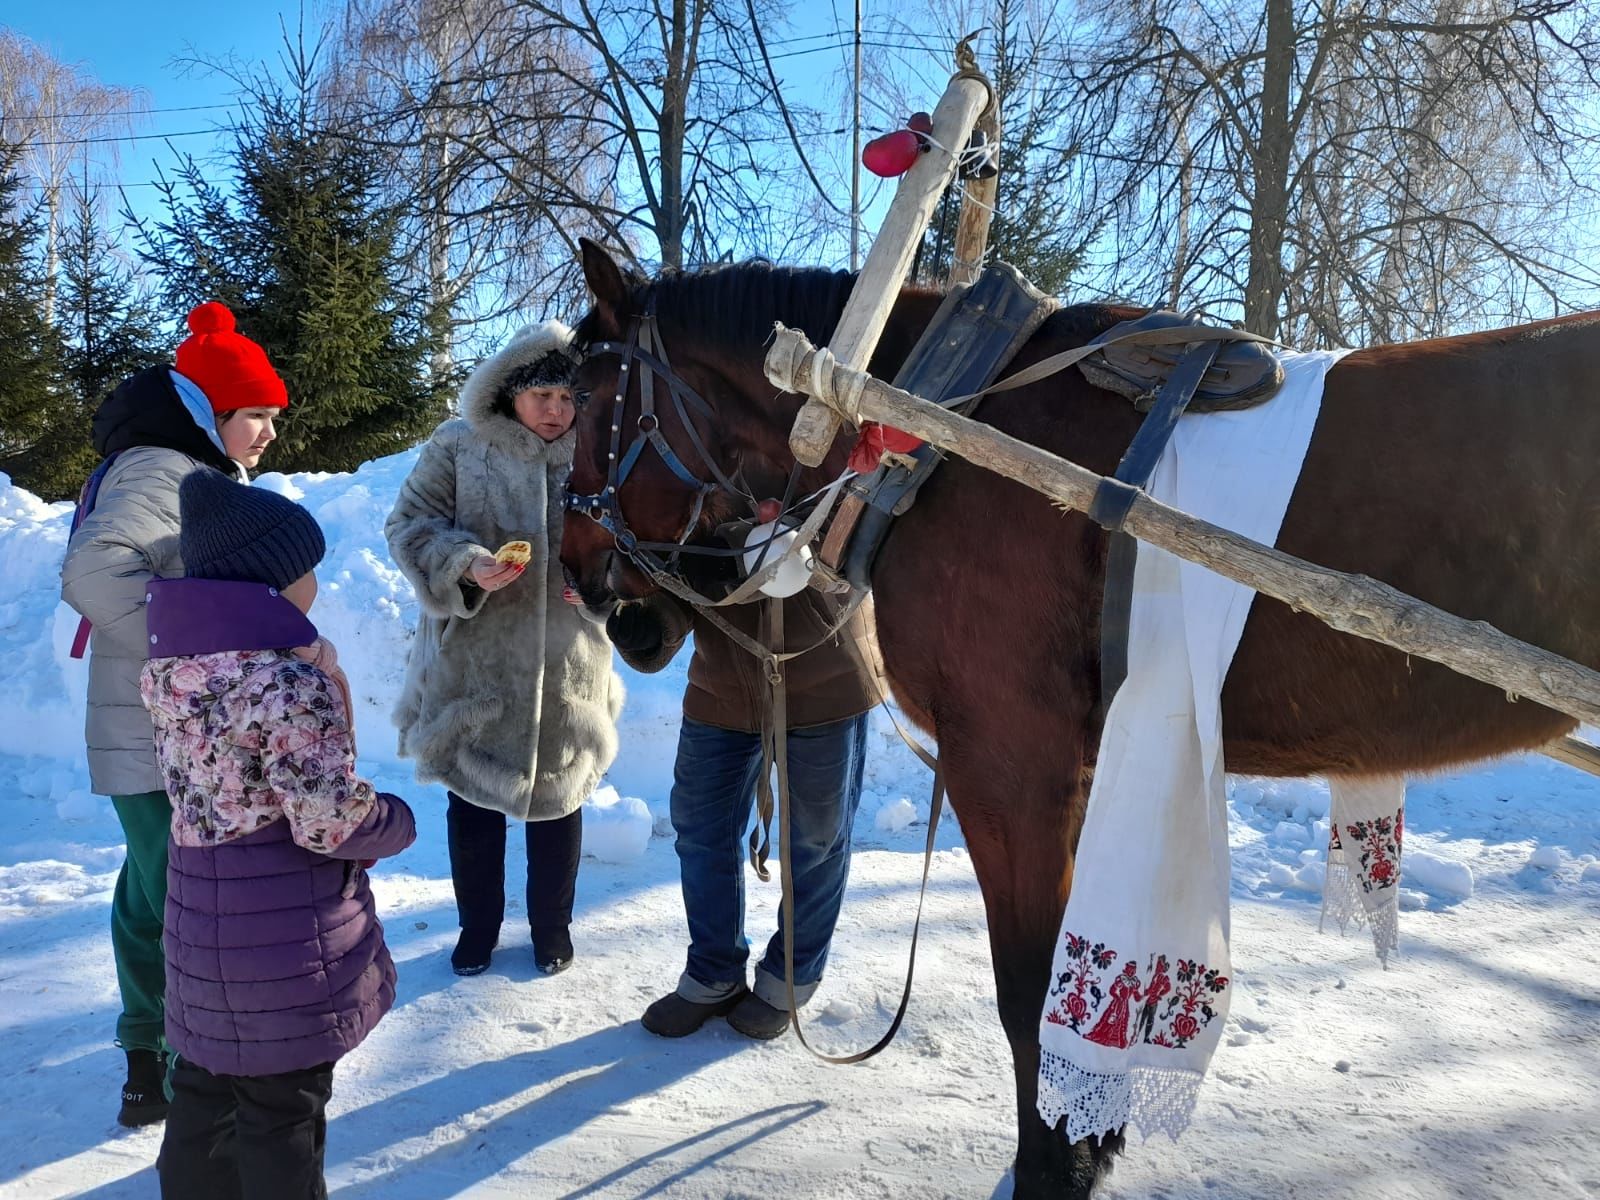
pixel 551 370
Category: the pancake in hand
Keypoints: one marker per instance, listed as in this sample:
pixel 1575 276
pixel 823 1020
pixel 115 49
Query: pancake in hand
pixel 516 553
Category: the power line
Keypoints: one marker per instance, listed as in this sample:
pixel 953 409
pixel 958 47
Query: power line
pixel 127 112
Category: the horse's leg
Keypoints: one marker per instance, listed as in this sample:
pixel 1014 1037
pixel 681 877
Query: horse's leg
pixel 1021 807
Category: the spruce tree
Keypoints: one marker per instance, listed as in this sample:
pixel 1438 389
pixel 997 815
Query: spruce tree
pixel 108 331
pixel 31 392
pixel 305 253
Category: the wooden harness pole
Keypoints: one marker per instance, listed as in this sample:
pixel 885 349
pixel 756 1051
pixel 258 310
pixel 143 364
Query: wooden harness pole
pixel 1351 604
pixel 878 286
pixel 979 196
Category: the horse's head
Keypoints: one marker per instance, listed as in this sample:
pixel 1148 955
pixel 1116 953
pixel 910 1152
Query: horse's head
pixel 678 431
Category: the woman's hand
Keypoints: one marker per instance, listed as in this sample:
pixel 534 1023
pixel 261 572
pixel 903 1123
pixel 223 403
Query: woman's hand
pixel 492 575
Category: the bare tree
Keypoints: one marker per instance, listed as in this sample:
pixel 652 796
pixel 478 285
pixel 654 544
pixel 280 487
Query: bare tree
pixel 492 148
pixel 49 108
pixel 1340 172
pixel 687 110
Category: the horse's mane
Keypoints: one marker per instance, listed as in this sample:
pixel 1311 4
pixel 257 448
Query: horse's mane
pixel 737 303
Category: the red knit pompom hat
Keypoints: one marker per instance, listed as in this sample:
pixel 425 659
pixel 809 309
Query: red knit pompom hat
pixel 228 367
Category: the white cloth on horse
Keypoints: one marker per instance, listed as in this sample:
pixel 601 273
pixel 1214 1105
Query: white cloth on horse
pixel 1366 821
pixel 1140 983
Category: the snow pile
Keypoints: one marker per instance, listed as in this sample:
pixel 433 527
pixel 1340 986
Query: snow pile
pixel 41 706
pixel 895 816
pixel 616 829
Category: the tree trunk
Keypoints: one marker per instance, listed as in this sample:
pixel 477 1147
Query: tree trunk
pixel 1264 285
pixel 674 103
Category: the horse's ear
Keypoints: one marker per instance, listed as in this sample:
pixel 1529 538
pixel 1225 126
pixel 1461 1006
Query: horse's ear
pixel 604 277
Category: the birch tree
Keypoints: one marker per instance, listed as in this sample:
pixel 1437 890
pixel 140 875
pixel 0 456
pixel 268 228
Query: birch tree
pixel 1340 172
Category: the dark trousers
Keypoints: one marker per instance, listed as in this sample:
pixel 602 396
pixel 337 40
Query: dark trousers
pixel 478 865
pixel 245 1137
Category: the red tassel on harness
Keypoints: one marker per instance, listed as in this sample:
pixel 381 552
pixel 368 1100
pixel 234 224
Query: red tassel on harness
pixel 875 441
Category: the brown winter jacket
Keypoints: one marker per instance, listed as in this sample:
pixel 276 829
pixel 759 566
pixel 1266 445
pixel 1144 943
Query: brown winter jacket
pixel 727 685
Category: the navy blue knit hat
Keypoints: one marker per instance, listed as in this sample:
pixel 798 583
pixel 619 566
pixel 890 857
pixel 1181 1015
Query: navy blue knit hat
pixel 227 530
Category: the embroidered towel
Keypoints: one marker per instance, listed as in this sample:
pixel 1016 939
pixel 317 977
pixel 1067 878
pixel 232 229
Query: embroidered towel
pixel 1139 988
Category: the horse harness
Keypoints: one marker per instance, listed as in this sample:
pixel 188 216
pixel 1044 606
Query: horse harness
pixel 1161 361
pixel 643 347
pixel 1165 363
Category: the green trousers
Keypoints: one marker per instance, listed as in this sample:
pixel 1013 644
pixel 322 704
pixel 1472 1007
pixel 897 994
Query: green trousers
pixel 136 912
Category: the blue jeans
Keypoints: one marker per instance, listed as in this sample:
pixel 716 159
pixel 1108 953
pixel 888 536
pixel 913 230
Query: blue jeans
pixel 713 793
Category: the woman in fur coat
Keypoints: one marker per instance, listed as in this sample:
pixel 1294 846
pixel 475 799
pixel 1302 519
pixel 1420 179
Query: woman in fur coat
pixel 510 698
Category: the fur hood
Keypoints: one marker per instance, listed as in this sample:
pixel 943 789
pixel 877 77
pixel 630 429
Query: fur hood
pixel 527 346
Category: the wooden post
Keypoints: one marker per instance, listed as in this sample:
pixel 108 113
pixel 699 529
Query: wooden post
pixel 878 285
pixel 977 211
pixel 1351 604
pixel 1575 752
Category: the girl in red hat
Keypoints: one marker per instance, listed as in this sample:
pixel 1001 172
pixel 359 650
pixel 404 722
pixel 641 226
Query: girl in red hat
pixel 214 413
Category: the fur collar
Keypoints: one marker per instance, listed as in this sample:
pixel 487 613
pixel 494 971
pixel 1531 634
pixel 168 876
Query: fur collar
pixel 508 433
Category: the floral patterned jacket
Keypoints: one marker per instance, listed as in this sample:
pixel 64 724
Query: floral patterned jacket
pixel 245 738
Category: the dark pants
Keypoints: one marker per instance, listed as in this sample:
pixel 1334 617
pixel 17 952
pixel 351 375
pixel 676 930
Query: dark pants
pixel 478 865
pixel 245 1137
pixel 713 792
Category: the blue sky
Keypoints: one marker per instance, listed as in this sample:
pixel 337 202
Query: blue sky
pixel 146 46
pixel 138 45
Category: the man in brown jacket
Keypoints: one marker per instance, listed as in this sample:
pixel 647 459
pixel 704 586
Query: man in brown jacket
pixel 829 692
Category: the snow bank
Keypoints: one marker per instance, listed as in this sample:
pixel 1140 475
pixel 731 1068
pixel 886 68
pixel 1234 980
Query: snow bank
pixel 616 829
pixel 41 706
pixel 1437 876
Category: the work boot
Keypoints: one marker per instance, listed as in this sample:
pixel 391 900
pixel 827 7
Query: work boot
pixel 143 1100
pixel 673 1017
pixel 755 1018
pixel 474 949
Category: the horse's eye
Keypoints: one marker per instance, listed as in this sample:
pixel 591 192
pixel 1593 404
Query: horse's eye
pixel 580 397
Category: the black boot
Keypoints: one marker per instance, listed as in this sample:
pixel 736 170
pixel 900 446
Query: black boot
pixel 674 1017
pixel 144 1102
pixel 474 949
pixel 552 949
pixel 755 1018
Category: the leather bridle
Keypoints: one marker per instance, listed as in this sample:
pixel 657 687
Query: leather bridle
pixel 644 350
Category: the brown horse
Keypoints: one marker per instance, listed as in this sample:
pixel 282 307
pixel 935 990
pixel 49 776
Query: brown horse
pixel 1465 471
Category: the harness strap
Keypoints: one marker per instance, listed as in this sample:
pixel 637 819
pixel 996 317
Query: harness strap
pixel 780 726
pixel 1112 501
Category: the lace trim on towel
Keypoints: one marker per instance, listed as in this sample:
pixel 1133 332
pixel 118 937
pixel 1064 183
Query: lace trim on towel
pixel 1156 1099
pixel 1344 905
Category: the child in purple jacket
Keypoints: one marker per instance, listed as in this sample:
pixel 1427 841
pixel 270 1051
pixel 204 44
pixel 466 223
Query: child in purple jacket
pixel 276 964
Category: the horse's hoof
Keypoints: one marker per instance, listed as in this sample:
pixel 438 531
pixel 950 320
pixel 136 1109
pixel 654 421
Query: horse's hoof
pixel 1073 1171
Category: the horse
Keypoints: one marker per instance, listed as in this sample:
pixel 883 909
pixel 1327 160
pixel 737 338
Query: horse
pixel 1462 470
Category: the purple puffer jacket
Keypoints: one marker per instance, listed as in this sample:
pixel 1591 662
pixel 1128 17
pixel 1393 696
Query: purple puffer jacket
pixel 275 955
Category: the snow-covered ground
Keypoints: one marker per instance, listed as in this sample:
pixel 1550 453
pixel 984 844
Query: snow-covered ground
pixel 1470 1068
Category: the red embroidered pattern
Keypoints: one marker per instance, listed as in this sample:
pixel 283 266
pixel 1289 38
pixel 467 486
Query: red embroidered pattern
pixel 1379 840
pixel 1176 1005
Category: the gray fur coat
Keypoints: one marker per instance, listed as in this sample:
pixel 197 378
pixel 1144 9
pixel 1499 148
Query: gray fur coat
pixel 510 698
